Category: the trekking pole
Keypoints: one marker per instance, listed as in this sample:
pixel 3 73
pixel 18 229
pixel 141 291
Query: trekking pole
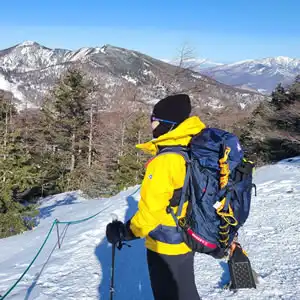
pixel 112 273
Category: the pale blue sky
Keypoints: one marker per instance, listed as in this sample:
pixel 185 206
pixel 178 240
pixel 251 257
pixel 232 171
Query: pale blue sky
pixel 219 30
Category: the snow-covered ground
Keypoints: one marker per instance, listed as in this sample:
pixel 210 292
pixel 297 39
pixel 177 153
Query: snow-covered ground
pixel 11 87
pixel 81 268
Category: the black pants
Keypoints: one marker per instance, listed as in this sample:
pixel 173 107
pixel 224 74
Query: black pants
pixel 172 276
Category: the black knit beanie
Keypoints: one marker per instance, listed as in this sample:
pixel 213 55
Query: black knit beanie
pixel 176 108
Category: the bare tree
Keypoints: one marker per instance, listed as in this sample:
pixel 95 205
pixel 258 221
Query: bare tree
pixel 184 73
pixel 187 59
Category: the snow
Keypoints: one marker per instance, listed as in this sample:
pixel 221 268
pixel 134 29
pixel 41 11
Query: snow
pixel 193 63
pixel 279 64
pixel 294 160
pixel 148 72
pixel 197 76
pixel 130 79
pixel 241 62
pixel 282 60
pixel 27 43
pixel 261 74
pixel 81 268
pixel 30 56
pixel 11 87
pixel 81 53
pixel 26 105
pixel 214 103
pixel 153 101
pixel 243 105
pixel 262 91
pixel 102 50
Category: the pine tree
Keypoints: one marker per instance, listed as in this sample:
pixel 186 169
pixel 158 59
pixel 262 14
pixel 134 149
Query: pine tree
pixel 280 96
pixel 273 130
pixel 29 124
pixel 67 123
pixel 294 90
pixel 17 173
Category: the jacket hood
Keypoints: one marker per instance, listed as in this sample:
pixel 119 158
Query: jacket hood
pixel 180 136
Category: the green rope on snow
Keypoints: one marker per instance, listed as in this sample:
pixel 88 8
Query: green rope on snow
pixel 24 273
pixel 93 216
pixel 46 239
pixel 82 220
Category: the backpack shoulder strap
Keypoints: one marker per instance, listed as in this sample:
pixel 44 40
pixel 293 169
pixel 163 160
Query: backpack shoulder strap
pixel 184 152
pixel 181 150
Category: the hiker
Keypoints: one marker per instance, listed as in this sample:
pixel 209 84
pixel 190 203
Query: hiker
pixel 170 260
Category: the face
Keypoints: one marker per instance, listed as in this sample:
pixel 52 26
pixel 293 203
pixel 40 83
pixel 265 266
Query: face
pixel 154 124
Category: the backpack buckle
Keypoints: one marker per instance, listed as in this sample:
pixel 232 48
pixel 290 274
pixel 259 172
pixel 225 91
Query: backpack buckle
pixel 169 209
pixel 182 223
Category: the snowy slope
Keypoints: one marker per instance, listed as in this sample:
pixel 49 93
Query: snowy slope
pixel 10 86
pixel 80 270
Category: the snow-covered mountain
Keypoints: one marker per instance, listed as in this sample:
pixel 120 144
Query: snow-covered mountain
pixel 30 70
pixel 30 56
pixel 196 64
pixel 81 268
pixel 262 75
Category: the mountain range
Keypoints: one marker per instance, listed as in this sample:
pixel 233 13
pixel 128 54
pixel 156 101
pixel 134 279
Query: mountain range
pixel 30 70
pixel 261 75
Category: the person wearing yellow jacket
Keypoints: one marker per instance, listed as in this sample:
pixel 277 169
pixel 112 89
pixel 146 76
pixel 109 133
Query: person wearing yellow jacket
pixel 170 260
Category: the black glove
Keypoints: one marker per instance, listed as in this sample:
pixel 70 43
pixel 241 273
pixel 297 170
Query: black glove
pixel 115 232
pixel 118 232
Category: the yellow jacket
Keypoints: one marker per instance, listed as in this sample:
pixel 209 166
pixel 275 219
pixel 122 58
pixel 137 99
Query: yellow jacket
pixel 164 174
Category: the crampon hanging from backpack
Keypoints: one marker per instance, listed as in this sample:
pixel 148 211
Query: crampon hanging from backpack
pixel 218 186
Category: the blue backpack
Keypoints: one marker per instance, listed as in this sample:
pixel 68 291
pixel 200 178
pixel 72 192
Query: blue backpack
pixel 218 187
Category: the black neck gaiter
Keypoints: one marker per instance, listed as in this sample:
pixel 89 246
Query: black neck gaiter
pixel 163 128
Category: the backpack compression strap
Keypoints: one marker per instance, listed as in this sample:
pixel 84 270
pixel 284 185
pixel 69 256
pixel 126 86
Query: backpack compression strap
pixel 223 208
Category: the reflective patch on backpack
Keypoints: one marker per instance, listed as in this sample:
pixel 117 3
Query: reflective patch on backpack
pixel 217 205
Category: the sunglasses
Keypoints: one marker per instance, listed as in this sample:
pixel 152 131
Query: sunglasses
pixel 152 118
